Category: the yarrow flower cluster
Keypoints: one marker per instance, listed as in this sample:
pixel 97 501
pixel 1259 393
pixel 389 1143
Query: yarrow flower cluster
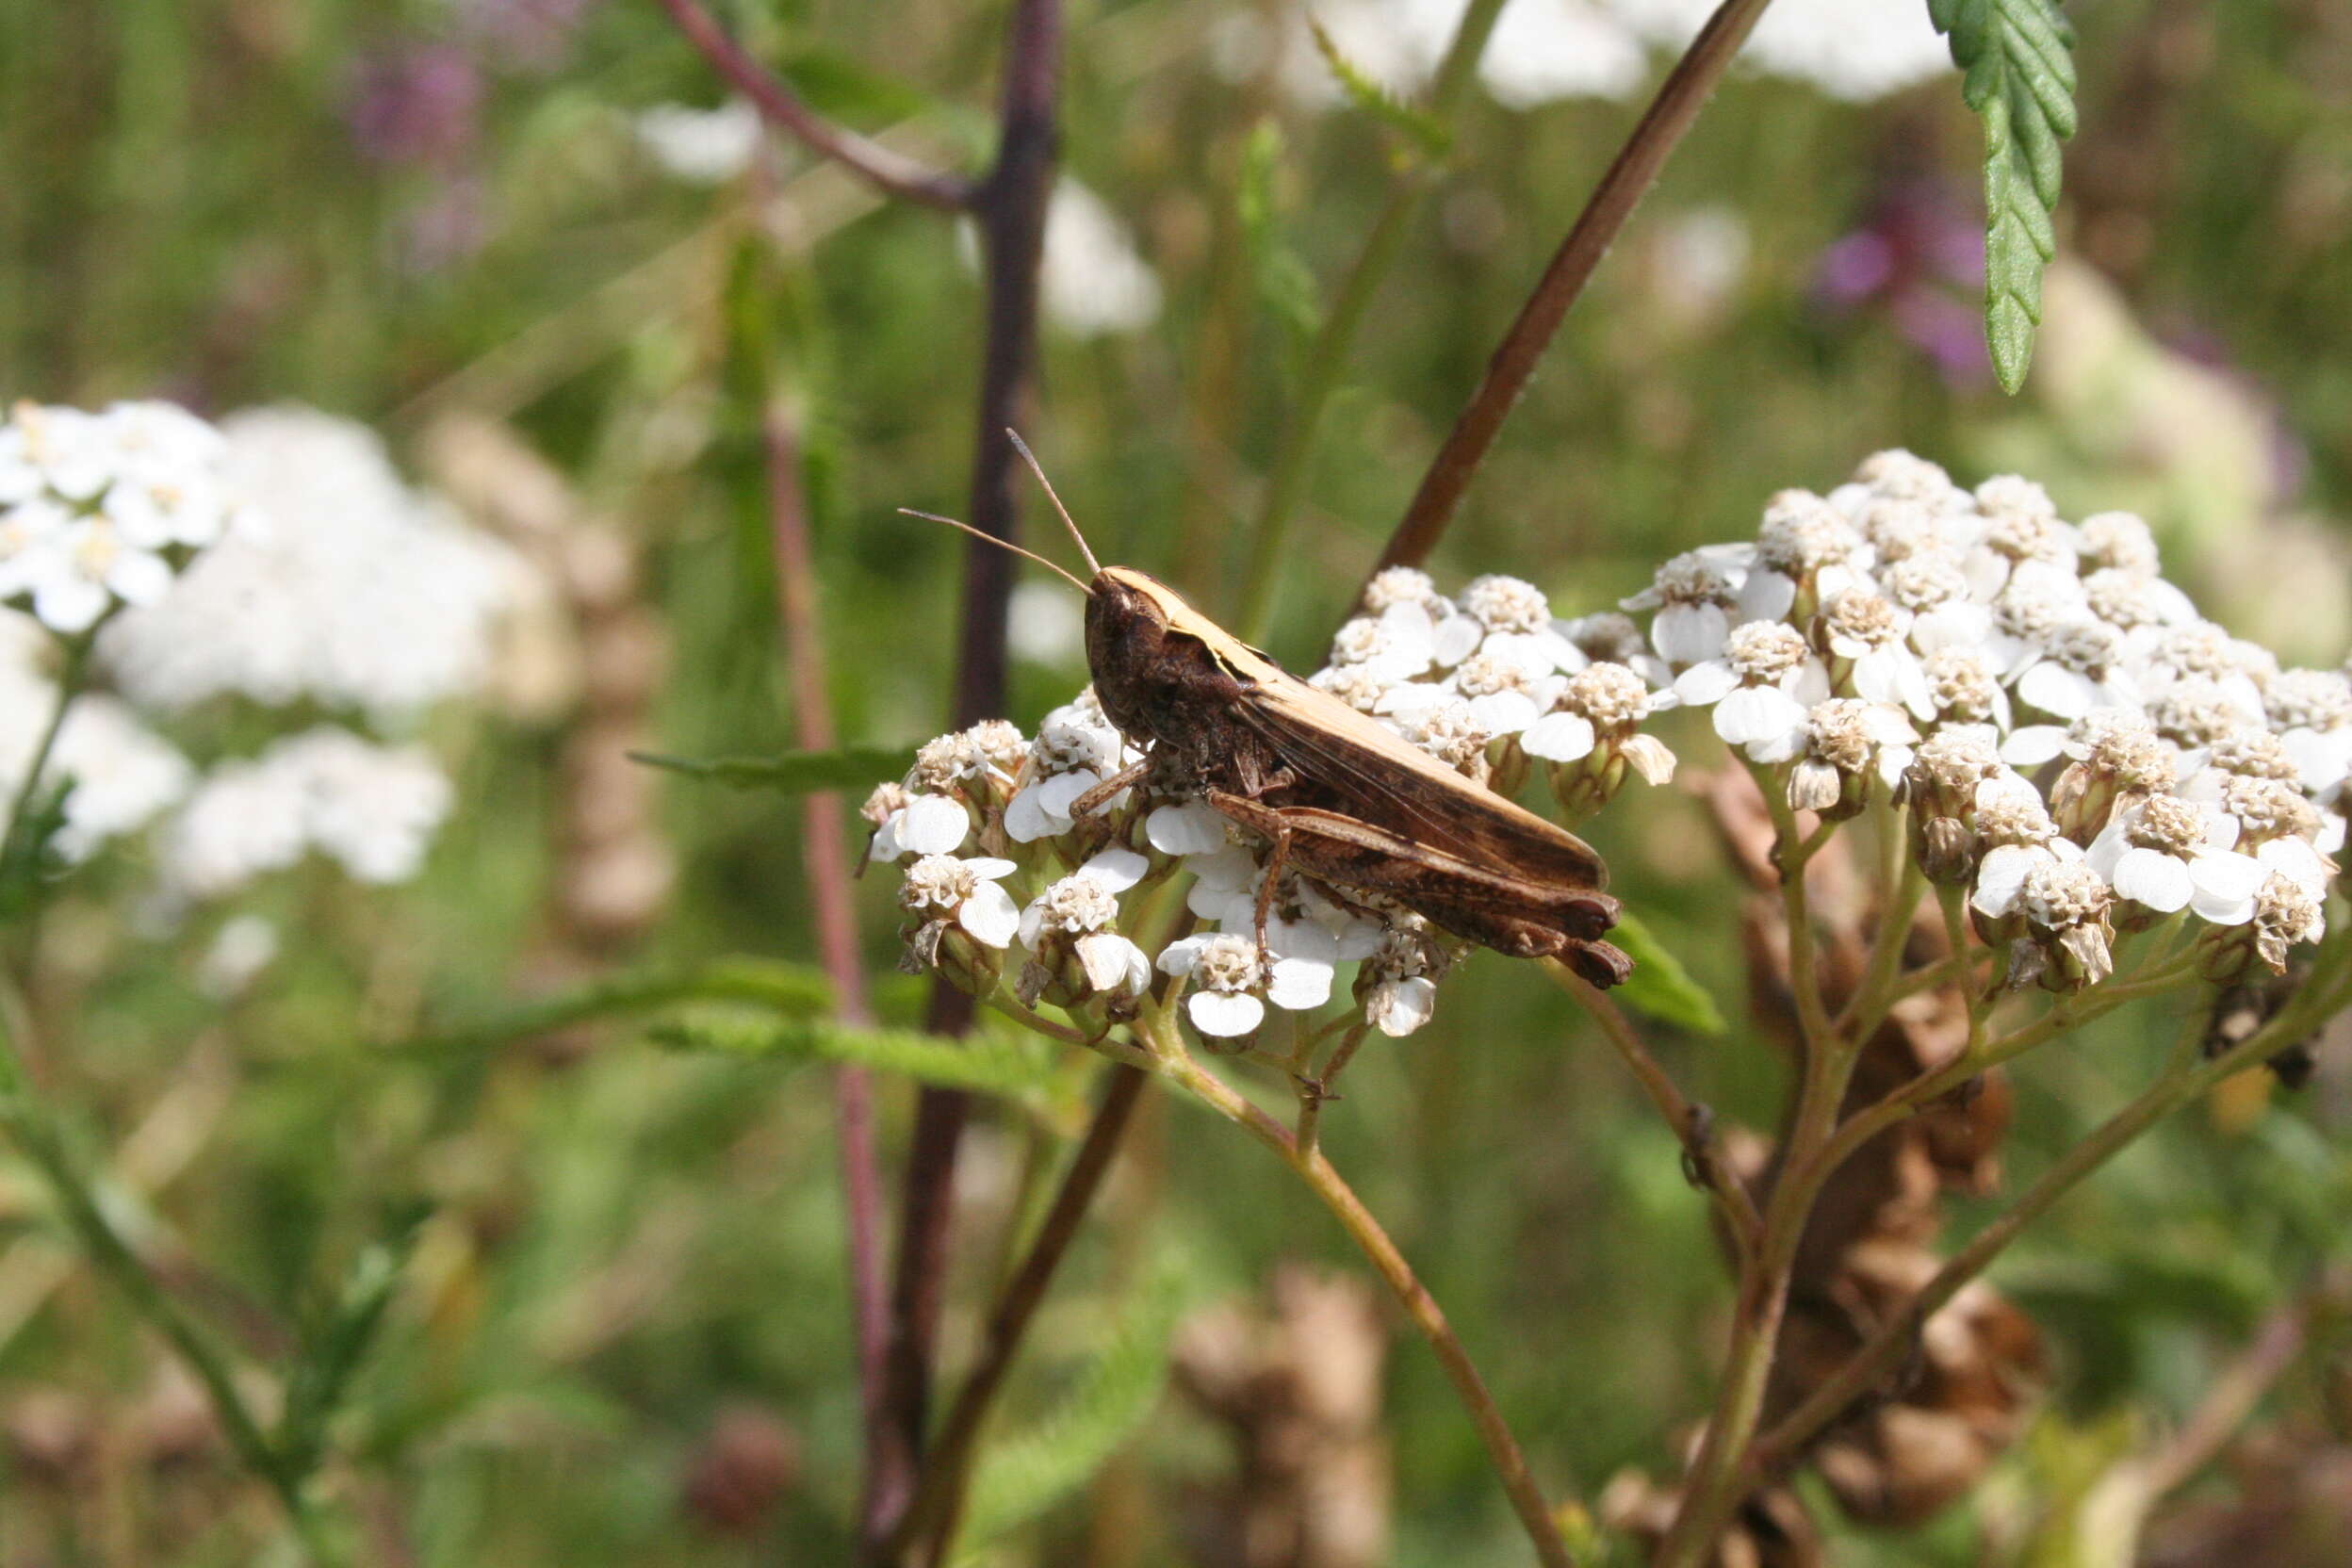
pixel 278 559
pixel 2076 752
pixel 99 511
pixel 1489 683
pixel 2081 752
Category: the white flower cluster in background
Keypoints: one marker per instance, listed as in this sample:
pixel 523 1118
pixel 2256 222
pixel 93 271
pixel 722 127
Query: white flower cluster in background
pixel 355 591
pixel 1490 683
pixel 99 511
pixel 371 808
pixel 2077 748
pixel 278 559
pixel 1542 50
pixel 699 146
pixel 1093 281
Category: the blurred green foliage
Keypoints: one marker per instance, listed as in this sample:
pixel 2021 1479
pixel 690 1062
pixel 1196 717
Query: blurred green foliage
pixel 618 1243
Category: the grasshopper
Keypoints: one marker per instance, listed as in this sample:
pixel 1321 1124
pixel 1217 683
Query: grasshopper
pixel 1343 800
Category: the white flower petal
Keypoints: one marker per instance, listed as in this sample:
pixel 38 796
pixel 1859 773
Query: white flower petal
pixel 1397 1008
pixel 2153 878
pixel 1179 956
pixel 2226 887
pixel 1115 869
pixel 1456 639
pixel 1759 713
pixel 2033 746
pixel 1690 633
pixel 931 825
pixel 1299 984
pixel 1706 682
pixel 1766 595
pixel 989 914
pixel 1113 964
pixel 2000 877
pixel 1559 738
pixel 1223 1015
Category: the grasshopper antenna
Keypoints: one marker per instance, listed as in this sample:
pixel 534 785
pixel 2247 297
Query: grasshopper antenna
pixel 1001 543
pixel 1037 468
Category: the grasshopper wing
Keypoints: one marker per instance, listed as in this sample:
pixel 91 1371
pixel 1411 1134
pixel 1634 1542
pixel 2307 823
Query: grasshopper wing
pixel 1389 782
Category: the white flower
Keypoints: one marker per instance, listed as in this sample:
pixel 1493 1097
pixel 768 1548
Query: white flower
pixel 2082 669
pixel 372 808
pixel 1761 687
pixel 924 825
pixel 1080 908
pixel 1599 703
pixel 2161 852
pixel 2230 893
pixel 1693 597
pixel 242 949
pixel 1093 283
pixel 357 592
pixel 965 891
pixel 2000 877
pixel 1193 827
pixel 700 146
pixel 1398 984
pixel 1847 742
pixel 1397 644
pixel 1225 972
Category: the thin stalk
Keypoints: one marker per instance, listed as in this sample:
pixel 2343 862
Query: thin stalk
pixel 825 861
pixel 892 174
pixel 1009 208
pixel 937 1508
pixel 1510 1465
pixel 69 687
pixel 1335 340
pixel 1875 994
pixel 1711 1491
pixel 1636 169
pixel 1890 1341
pixel 1688 1120
pixel 35 1132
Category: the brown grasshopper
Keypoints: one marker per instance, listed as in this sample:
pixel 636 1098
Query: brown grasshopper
pixel 1343 800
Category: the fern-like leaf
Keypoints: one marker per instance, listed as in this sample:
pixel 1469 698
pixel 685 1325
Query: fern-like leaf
pixel 1661 986
pixel 1023 1475
pixel 792 773
pixel 1423 131
pixel 2017 57
pixel 1026 1069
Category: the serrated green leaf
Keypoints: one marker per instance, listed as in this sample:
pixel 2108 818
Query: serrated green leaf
pixel 780 988
pixel 1021 1476
pixel 315 1391
pixel 1284 283
pixel 792 773
pixel 1421 130
pixel 2017 73
pixel 1661 986
pixel 1019 1069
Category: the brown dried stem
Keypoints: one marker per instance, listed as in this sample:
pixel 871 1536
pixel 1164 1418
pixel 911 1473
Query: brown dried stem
pixel 1887 1345
pixel 1511 1465
pixel 826 863
pixel 932 1516
pixel 1636 169
pixel 890 172
pixel 1009 206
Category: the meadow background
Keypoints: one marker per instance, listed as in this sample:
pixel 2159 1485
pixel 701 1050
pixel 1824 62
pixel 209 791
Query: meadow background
pixel 620 1332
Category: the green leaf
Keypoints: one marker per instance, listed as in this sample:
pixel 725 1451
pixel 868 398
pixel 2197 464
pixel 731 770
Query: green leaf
pixel 792 773
pixel 1285 285
pixel 2017 65
pixel 788 989
pixel 316 1390
pixel 1022 1475
pixel 1422 130
pixel 1023 1069
pixel 1661 986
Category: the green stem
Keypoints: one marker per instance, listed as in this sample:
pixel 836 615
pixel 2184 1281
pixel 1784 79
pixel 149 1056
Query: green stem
pixel 36 1132
pixel 1177 1065
pixel 1326 357
pixel 1891 1340
pixel 69 687
pixel 1712 1489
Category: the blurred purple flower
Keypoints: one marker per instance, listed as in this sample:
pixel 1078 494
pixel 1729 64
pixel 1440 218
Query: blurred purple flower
pixel 1920 257
pixel 416 102
pixel 521 34
pixel 445 227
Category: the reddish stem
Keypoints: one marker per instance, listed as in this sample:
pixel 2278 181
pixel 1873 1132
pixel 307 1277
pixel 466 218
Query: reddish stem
pixel 826 863
pixel 890 172
pixel 1010 207
pixel 1678 100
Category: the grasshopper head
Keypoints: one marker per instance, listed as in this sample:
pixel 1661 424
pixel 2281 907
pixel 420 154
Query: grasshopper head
pixel 1128 615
